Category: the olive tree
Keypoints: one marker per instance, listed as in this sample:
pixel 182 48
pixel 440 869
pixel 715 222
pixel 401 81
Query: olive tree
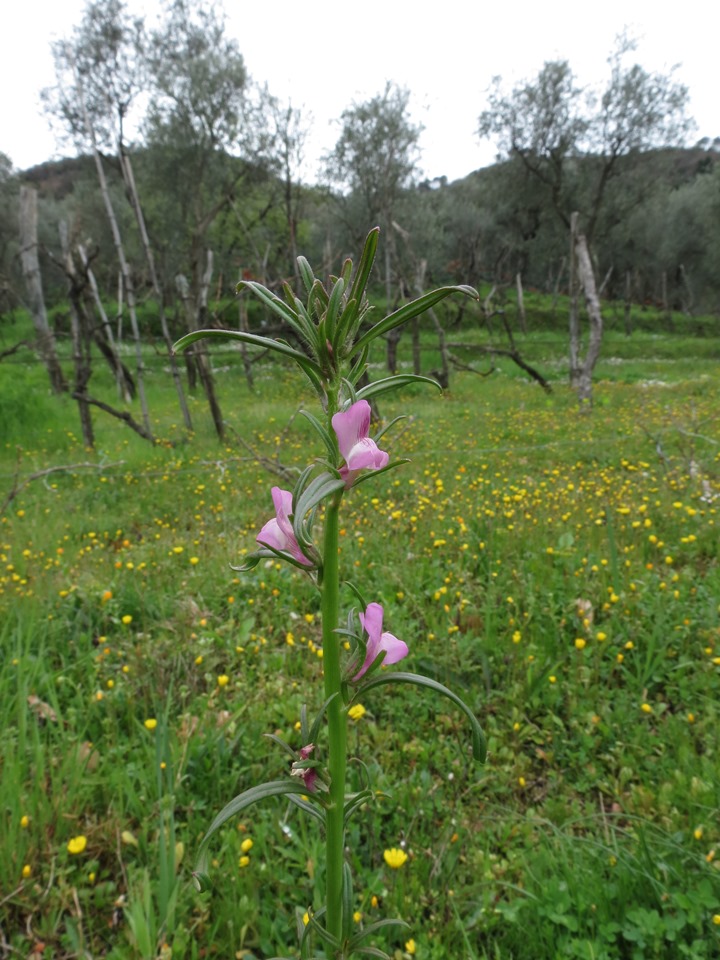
pixel 575 143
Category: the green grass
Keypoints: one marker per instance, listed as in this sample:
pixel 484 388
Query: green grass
pixel 560 571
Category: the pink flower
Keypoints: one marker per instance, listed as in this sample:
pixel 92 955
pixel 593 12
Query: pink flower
pixel 372 621
pixel 358 450
pixel 278 533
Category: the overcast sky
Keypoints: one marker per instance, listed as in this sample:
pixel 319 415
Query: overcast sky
pixel 323 56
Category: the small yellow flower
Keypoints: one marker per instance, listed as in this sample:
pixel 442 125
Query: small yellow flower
pixel 646 708
pixel 357 916
pixel 246 845
pixel 223 680
pixel 194 560
pixel 395 858
pixel 107 595
pixel 410 947
pixel 150 723
pixel 243 861
pixel 77 844
pixel 697 833
pixel 127 619
pixel 521 781
pixel 25 822
pixel 306 918
pixel 26 871
pixel 373 901
pixel 516 637
pixel 357 711
pixel 580 643
pixel 600 636
pixel 716 919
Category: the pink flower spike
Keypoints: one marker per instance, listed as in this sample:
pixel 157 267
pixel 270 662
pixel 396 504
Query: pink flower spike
pixel 278 533
pixel 395 650
pixel 358 450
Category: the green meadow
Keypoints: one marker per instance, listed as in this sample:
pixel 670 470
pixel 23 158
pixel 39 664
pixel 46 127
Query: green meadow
pixel 559 570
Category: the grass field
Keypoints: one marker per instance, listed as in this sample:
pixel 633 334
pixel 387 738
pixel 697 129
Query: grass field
pixel 560 571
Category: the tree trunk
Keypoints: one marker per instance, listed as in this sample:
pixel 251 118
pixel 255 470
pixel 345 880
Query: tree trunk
pixel 416 353
pixel 393 339
pixel 196 315
pixel 556 288
pixel 119 317
pixel 243 326
pixel 129 179
pixel 592 305
pixel 574 316
pixel 122 260
pixel 31 270
pixel 627 314
pixel 104 336
pixel 688 305
pixel 522 319
pixel 79 324
pixel 667 311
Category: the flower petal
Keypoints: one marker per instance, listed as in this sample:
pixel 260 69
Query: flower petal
pixel 366 454
pixel 394 649
pixel 272 536
pixel 351 426
pixel 278 533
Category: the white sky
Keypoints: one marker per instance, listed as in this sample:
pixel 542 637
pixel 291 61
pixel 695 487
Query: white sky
pixel 323 55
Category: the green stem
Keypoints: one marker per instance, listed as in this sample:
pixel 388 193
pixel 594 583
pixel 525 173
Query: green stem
pixel 337 723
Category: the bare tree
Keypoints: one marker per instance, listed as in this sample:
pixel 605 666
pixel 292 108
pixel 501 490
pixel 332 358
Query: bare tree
pixel 33 281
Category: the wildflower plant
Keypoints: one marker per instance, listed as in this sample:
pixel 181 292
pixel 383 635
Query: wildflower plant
pixel 334 330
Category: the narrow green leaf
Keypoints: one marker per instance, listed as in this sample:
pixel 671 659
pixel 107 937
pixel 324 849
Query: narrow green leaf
pixel 373 952
pixel 388 426
pixel 321 487
pixel 324 934
pixel 303 325
pixel 364 477
pixel 365 265
pixel 306 274
pixel 410 310
pixel 307 807
pixel 354 803
pixel 281 743
pixel 373 928
pixel 272 788
pixel 330 445
pixel 358 368
pixel 346 272
pixel 478 737
pixel 277 345
pixel 267 551
pixel 320 295
pixel 347 902
pixel 302 481
pixel 333 310
pixel 379 387
pixel 344 326
pixel 315 729
pixel 271 300
pixel 356 591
